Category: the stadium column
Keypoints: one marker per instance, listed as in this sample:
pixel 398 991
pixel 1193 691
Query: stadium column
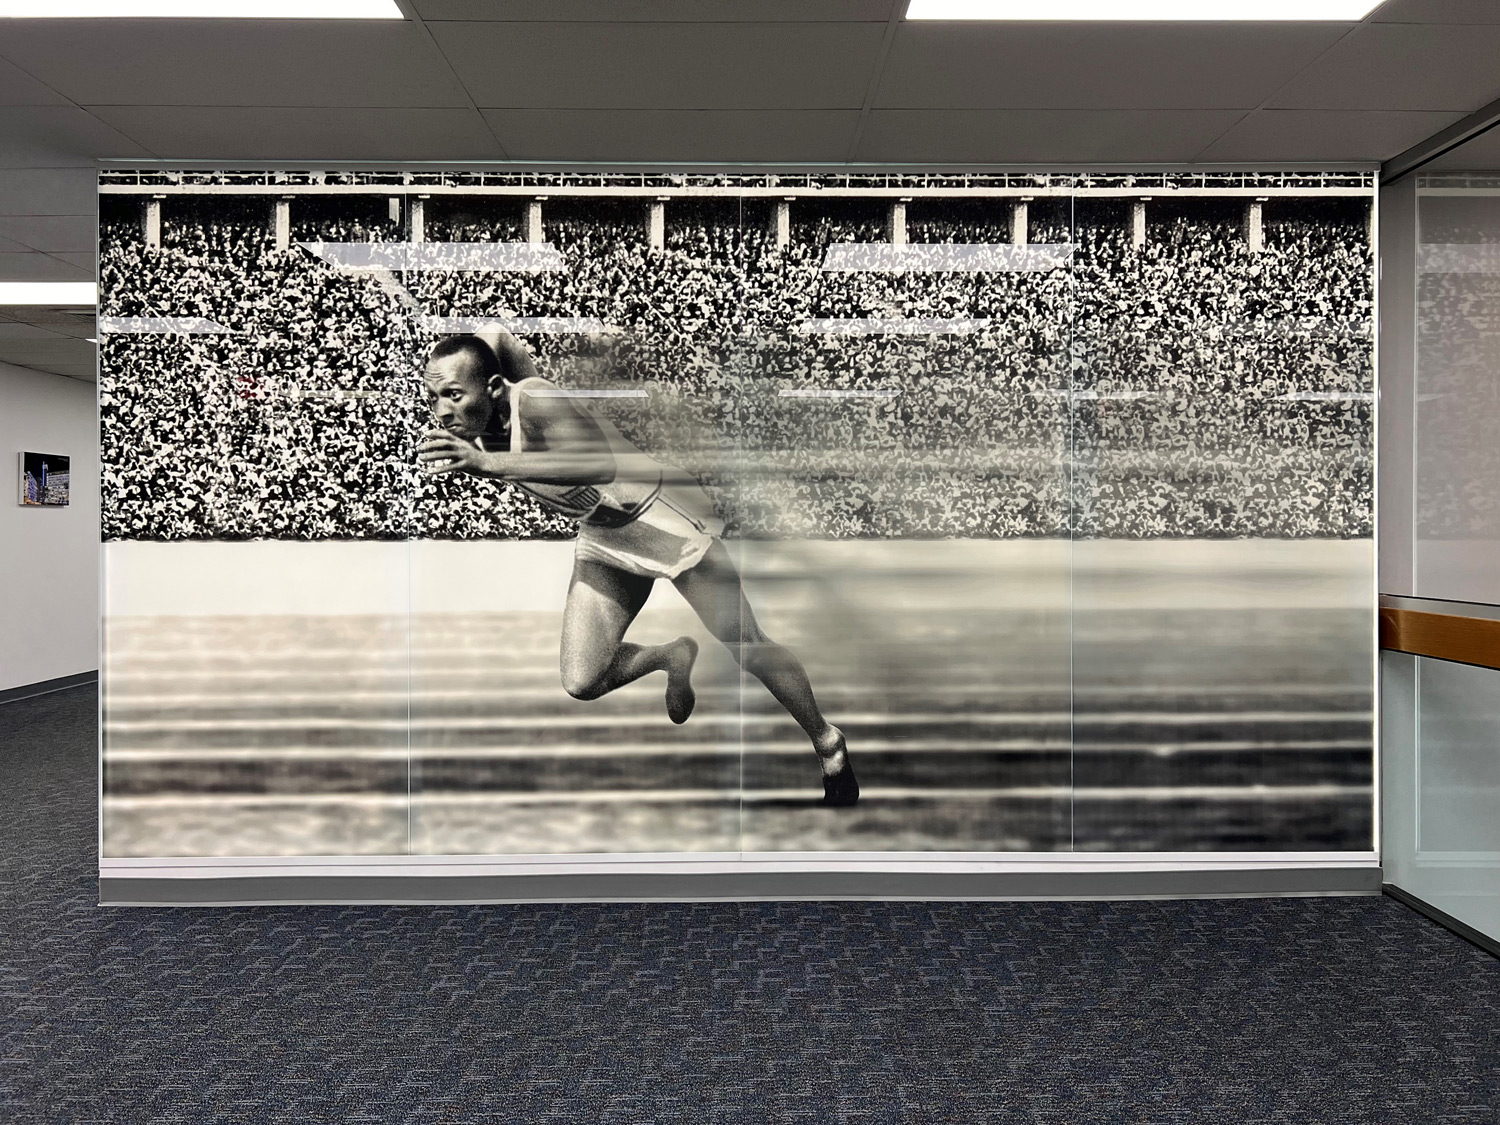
pixel 1255 240
pixel 417 230
pixel 896 223
pixel 151 223
pixel 781 223
pixel 534 220
pixel 1019 218
pixel 656 223
pixel 1138 222
pixel 281 222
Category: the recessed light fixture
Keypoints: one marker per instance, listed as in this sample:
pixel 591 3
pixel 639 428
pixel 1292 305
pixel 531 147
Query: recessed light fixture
pixel 1200 11
pixel 198 9
pixel 48 293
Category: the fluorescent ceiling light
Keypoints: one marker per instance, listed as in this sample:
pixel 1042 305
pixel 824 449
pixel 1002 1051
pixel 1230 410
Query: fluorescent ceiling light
pixel 48 293
pixel 202 9
pixel 1202 11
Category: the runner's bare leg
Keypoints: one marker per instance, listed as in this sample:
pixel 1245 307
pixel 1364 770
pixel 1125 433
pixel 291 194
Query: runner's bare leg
pixel 714 591
pixel 596 659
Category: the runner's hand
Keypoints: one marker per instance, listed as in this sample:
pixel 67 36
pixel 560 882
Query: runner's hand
pixel 442 452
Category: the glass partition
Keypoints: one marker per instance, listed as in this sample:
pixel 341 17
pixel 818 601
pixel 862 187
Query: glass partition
pixel 255 449
pixel 1441 729
pixel 1443 774
pixel 534 738
pixel 1222 559
pixel 903 481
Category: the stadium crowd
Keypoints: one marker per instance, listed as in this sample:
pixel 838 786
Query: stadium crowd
pixel 1187 388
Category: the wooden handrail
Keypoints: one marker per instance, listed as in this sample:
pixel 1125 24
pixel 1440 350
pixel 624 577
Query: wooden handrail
pixel 1446 636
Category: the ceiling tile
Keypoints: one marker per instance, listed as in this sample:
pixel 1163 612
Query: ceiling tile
pixel 276 133
pixel 766 136
pixel 1401 67
pixel 663 66
pixel 234 62
pixel 40 267
pixel 12 331
pixel 1037 136
pixel 19 88
pixel 48 191
pixel 651 11
pixel 58 349
pixel 51 232
pixel 1089 66
pixel 83 372
pixel 49 322
pixel 1437 11
pixel 1321 135
pixel 1482 154
pixel 38 135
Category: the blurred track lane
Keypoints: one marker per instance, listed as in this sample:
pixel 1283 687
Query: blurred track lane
pixel 651 749
pixel 985 713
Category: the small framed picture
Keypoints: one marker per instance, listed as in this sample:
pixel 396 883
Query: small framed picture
pixel 44 480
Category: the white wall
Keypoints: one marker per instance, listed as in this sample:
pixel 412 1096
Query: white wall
pixel 49 557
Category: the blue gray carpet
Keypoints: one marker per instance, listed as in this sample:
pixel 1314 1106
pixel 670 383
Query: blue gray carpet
pixel 1339 1011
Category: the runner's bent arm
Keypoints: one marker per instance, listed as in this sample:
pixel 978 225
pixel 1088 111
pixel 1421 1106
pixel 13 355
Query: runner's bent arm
pixel 565 446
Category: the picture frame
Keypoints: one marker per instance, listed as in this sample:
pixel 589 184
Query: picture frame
pixel 44 480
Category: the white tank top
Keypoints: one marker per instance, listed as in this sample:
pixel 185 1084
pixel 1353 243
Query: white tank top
pixel 638 477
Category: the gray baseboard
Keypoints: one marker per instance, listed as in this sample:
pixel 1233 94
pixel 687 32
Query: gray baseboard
pixel 1444 919
pixel 43 687
pixel 736 886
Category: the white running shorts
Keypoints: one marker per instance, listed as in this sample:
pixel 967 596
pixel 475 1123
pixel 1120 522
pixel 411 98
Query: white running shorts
pixel 670 537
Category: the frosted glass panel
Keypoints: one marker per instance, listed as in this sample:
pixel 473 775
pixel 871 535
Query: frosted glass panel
pixel 1458 390
pixel 1458 761
pixel 1455 864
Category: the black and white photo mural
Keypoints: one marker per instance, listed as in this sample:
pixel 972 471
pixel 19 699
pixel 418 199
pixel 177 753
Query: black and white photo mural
pixel 571 514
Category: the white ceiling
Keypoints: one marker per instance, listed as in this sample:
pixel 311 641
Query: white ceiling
pixel 725 80
pixel 700 81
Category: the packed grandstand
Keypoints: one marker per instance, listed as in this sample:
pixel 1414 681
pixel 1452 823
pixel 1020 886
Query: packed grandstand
pixel 1187 387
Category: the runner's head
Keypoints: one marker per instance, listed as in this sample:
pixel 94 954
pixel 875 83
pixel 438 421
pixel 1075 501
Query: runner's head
pixel 465 387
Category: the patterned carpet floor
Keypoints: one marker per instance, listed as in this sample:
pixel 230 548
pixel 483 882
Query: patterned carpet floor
pixel 1340 1010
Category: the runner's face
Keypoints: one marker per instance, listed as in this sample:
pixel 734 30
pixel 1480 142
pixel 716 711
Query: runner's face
pixel 459 397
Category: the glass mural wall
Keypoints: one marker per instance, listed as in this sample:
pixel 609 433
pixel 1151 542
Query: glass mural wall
pixel 1050 496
